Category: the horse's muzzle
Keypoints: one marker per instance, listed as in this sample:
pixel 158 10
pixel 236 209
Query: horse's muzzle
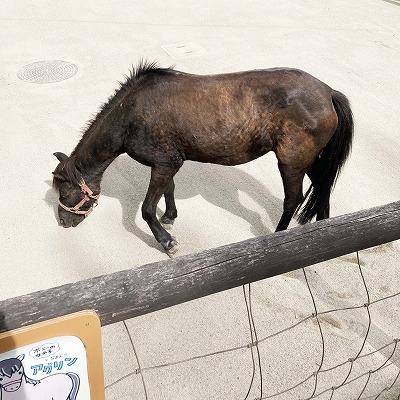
pixel 68 220
pixel 12 386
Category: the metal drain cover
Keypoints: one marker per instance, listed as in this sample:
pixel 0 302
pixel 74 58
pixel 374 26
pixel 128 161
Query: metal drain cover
pixel 48 71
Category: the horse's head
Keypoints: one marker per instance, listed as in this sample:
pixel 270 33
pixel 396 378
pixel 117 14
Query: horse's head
pixel 11 374
pixel 76 200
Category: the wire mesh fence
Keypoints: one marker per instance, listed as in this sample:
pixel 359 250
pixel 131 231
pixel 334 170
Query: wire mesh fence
pixel 328 331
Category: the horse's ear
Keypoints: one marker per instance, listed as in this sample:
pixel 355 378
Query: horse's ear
pixel 21 357
pixel 61 156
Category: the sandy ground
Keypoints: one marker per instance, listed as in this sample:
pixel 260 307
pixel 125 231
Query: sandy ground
pixel 352 46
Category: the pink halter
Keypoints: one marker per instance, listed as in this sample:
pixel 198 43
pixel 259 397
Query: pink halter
pixel 88 195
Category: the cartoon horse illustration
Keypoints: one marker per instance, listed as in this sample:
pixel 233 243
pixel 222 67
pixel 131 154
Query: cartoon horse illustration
pixel 15 385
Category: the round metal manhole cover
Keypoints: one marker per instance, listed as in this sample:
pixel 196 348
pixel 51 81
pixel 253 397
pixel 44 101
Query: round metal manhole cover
pixel 48 71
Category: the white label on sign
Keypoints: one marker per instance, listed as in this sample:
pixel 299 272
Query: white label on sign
pixel 51 369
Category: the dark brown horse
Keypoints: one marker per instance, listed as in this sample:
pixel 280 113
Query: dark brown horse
pixel 162 117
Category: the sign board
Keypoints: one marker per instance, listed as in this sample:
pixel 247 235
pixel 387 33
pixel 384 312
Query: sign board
pixel 58 359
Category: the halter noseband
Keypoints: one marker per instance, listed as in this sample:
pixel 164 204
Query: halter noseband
pixel 88 195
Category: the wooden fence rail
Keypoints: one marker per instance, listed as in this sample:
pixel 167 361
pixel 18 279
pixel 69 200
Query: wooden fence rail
pixel 133 292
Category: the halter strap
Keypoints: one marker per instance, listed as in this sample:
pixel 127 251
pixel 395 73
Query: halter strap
pixel 88 195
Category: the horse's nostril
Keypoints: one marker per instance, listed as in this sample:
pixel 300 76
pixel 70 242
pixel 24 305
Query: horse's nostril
pixel 62 222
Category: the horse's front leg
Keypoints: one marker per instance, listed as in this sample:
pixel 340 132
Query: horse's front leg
pixel 170 208
pixel 161 178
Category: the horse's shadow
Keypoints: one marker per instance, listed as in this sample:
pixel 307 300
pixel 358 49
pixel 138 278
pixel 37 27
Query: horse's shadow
pixel 128 181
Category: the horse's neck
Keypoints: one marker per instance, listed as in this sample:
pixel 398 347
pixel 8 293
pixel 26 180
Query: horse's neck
pixel 95 152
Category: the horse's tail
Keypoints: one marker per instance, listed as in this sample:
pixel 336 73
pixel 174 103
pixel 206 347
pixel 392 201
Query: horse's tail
pixel 75 385
pixel 327 167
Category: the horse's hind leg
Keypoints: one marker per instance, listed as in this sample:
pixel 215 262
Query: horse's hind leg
pixel 160 181
pixel 292 184
pixel 170 207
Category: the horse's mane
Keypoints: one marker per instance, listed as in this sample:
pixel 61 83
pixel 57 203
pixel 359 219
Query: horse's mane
pixel 143 69
pixel 9 367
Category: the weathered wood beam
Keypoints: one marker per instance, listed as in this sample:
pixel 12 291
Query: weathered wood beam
pixel 133 292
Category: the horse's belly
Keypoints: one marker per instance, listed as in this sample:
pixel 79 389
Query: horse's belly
pixel 228 149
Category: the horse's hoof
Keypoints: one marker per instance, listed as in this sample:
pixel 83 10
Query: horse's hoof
pixel 172 247
pixel 167 221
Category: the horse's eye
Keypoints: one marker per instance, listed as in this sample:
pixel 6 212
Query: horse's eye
pixel 20 373
pixel 1 379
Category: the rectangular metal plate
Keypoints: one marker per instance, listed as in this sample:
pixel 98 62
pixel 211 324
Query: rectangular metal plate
pixel 184 50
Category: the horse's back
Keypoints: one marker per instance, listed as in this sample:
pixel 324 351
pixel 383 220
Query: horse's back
pixel 228 118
